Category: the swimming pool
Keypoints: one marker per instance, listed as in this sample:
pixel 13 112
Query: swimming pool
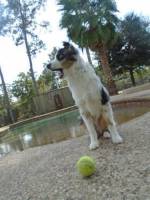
pixel 60 127
pixel 41 132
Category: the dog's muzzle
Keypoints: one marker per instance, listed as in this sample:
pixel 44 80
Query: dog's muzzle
pixel 59 70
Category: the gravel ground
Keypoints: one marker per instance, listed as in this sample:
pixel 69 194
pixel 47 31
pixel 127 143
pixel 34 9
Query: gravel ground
pixel 49 173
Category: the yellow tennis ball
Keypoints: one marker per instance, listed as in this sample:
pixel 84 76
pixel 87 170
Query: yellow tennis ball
pixel 86 166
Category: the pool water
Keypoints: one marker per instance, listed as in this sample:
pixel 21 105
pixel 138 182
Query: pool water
pixel 45 131
pixel 56 129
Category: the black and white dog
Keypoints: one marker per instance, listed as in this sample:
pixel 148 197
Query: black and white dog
pixel 89 94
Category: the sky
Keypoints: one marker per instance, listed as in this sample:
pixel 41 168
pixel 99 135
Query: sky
pixel 13 60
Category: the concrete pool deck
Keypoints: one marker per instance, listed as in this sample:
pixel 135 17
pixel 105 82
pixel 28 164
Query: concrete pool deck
pixel 145 94
pixel 49 172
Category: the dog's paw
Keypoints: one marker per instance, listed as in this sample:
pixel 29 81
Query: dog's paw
pixel 117 139
pixel 94 145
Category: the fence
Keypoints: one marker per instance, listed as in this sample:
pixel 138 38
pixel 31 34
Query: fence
pixel 53 100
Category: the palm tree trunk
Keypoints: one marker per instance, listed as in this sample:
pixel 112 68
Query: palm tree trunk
pixel 6 98
pixel 132 76
pixel 107 71
pixel 88 55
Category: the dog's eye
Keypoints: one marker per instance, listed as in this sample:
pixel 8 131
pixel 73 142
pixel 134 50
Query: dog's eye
pixel 60 56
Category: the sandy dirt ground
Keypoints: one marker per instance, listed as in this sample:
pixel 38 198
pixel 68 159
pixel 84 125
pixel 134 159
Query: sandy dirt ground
pixel 49 172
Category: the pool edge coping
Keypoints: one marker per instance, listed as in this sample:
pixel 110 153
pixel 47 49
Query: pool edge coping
pixel 71 108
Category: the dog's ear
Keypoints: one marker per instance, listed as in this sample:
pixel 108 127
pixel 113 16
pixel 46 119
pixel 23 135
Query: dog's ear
pixel 66 44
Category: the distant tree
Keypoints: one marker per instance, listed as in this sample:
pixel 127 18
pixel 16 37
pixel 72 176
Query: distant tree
pixel 52 54
pixel 20 22
pixel 22 89
pixel 132 49
pixel 45 80
pixel 1 102
pixel 2 111
pixel 92 23
pixel 6 98
pixel 54 75
pixel 3 18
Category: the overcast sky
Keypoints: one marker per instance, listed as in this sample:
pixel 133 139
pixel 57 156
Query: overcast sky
pixel 13 59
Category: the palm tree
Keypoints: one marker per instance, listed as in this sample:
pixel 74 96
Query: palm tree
pixel 92 23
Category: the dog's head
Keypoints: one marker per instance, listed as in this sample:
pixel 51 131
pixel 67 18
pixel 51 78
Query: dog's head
pixel 65 58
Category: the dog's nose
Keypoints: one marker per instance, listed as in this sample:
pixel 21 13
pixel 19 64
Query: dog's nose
pixel 49 66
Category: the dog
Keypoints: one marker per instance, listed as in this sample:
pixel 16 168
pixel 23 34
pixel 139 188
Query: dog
pixel 88 92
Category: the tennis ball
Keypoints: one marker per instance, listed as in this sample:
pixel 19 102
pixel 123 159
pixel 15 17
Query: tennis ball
pixel 86 166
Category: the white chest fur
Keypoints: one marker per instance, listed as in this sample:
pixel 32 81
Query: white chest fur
pixel 85 86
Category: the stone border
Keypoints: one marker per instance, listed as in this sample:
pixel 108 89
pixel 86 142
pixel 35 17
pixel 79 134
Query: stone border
pixel 115 104
pixel 38 117
pixel 135 101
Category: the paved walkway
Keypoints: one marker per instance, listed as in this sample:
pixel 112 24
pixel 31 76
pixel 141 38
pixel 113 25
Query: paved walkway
pixel 49 172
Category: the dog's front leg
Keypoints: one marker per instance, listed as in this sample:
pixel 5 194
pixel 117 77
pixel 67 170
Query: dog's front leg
pixel 92 132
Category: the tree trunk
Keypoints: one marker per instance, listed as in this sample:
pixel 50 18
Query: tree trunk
pixel 28 51
pixel 132 77
pixel 107 71
pixel 88 55
pixel 31 65
pixel 35 88
pixel 6 98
